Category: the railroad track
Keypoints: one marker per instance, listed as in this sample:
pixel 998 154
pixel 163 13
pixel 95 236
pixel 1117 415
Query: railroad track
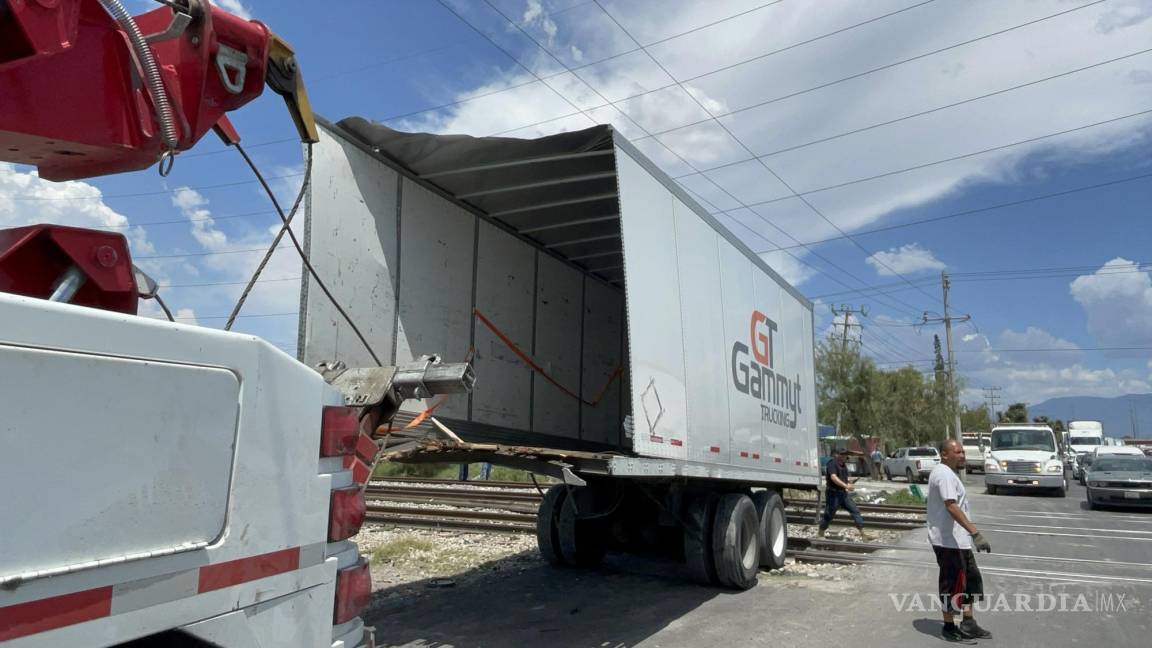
pixel 508 507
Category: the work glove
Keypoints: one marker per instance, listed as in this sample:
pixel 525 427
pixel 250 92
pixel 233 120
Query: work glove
pixel 980 543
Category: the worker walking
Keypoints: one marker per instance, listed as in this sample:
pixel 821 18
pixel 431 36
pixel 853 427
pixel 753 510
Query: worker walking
pixel 877 462
pixel 838 494
pixel 953 537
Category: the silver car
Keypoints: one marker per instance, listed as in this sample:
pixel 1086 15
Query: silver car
pixel 1119 480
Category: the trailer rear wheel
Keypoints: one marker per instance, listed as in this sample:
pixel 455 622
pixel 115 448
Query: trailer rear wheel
pixel 736 541
pixel 773 534
pixel 699 511
pixel 581 541
pixel 548 525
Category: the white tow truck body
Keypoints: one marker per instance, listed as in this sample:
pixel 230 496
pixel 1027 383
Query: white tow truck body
pixel 158 478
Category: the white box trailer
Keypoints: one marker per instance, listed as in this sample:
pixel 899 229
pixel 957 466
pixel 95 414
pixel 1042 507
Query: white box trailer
pixel 623 339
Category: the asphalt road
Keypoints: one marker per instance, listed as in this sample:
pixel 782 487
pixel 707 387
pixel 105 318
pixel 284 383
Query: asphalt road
pixel 1043 547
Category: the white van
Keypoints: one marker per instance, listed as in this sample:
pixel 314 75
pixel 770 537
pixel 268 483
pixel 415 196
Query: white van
pixel 1024 455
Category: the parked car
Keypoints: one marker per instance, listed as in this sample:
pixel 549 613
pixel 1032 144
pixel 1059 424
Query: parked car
pixel 1120 480
pixel 913 464
pixel 1087 460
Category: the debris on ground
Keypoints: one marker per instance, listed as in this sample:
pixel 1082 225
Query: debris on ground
pixel 407 562
pixel 816 571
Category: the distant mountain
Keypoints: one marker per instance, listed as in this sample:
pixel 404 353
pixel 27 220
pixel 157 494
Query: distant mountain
pixel 1117 414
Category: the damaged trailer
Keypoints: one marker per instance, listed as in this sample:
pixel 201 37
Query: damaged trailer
pixel 623 340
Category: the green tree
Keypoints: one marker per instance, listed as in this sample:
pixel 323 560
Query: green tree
pixel 845 379
pixel 1056 424
pixel 903 407
pixel 1016 413
pixel 974 419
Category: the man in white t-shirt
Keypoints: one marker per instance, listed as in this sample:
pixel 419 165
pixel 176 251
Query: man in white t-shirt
pixel 953 536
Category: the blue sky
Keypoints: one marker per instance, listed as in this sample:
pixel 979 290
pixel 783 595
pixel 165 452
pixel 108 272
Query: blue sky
pixel 809 86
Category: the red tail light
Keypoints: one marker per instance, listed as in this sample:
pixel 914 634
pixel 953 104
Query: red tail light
pixel 339 429
pixel 345 513
pixel 353 592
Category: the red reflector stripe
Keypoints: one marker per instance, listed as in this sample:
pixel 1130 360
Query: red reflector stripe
pixel 776 459
pixel 234 572
pixel 676 442
pixel 744 454
pixel 714 449
pixel 359 469
pixel 755 455
pixel 366 448
pixel 57 612
pixel 656 439
pixel 797 463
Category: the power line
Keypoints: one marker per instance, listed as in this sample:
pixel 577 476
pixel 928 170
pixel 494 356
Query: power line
pixel 203 254
pixel 224 317
pixel 966 155
pixel 1014 275
pixel 829 83
pixel 978 210
pixel 743 145
pixel 543 78
pixel 154 193
pixel 609 102
pixel 181 221
pixel 227 283
pixel 929 111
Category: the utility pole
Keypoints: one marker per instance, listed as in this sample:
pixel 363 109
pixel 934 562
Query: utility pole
pixel 846 310
pixel 991 398
pixel 948 319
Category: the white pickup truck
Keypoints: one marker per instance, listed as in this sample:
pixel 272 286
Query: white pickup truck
pixel 975 447
pixel 1024 456
pixel 913 464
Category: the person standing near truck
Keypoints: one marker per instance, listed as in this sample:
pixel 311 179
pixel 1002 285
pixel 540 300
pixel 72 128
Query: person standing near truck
pixel 877 462
pixel 953 537
pixel 838 494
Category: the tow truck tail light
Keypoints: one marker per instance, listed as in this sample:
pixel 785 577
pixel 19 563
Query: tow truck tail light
pixel 353 592
pixel 339 429
pixel 346 513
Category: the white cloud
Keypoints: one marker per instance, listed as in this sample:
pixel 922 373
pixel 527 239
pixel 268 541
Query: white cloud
pixel 1125 13
pixel 26 199
pixel 192 204
pixel 1016 57
pixel 793 271
pixel 1042 342
pixel 235 7
pixel 534 15
pixel 1117 300
pixel 904 260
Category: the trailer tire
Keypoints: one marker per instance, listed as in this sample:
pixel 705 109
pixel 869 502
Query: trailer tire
pixel 699 511
pixel 736 541
pixel 548 525
pixel 581 541
pixel 773 533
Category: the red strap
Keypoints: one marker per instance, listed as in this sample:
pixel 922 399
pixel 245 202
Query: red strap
pixel 540 370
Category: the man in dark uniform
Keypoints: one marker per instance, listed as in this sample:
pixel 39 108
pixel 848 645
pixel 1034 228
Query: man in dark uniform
pixel 838 494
